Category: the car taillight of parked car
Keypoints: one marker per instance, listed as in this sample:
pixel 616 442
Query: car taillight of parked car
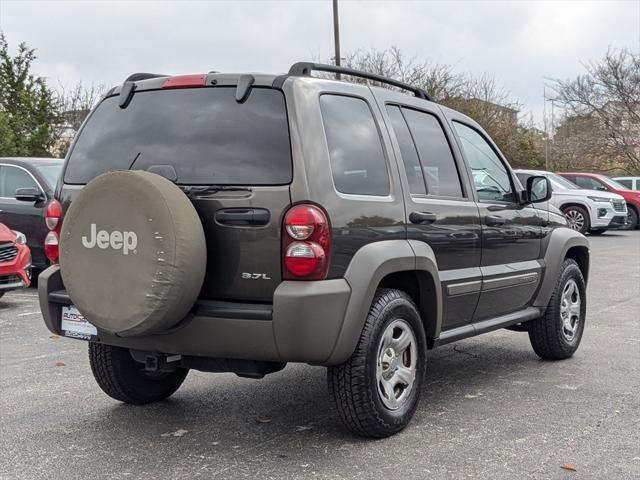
pixel 306 243
pixel 53 219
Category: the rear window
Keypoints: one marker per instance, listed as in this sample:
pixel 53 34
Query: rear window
pixel 357 160
pixel 203 133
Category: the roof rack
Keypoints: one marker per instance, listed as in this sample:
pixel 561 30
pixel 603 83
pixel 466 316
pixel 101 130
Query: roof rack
pixel 304 69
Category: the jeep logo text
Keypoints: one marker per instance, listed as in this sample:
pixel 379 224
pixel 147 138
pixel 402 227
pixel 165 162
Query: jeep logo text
pixel 125 241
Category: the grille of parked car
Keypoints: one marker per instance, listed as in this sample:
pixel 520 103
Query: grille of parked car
pixel 618 205
pixel 9 279
pixel 8 252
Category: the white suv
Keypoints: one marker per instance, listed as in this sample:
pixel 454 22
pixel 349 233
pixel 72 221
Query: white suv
pixel 585 210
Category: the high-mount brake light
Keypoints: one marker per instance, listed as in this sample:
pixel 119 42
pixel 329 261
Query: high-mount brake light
pixel 53 220
pixel 185 81
pixel 306 243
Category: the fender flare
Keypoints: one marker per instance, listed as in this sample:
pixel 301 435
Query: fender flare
pixel 367 268
pixel 556 248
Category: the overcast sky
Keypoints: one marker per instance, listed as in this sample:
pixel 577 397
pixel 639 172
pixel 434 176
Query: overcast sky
pixel 520 43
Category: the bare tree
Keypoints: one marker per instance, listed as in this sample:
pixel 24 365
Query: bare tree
pixel 608 97
pixel 482 98
pixel 437 79
pixel 74 104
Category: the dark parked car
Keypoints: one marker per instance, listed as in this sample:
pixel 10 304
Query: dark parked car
pixel 239 222
pixel 34 179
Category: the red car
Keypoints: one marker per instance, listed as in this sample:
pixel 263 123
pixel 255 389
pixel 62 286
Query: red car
pixel 593 181
pixel 15 260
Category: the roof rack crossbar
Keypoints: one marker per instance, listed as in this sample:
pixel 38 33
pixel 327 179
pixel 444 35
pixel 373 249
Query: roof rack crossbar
pixel 304 69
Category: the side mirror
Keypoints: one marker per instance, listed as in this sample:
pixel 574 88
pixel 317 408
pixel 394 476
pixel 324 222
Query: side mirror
pixel 538 189
pixel 29 195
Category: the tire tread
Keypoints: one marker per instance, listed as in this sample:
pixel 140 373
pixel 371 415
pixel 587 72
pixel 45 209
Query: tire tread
pixel 116 374
pixel 545 333
pixel 347 382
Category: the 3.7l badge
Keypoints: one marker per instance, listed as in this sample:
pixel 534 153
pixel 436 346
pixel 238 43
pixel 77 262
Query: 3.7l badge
pixel 255 276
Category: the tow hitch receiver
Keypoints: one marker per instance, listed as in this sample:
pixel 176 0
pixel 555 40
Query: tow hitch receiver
pixel 157 362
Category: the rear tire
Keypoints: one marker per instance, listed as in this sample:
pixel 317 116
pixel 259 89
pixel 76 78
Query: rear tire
pixel 124 379
pixel 376 391
pixel 578 218
pixel 557 334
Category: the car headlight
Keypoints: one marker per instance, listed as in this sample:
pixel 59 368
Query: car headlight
pixel 600 199
pixel 21 239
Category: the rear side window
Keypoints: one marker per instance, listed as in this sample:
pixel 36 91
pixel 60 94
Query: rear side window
pixel 203 133
pixel 440 171
pixel 357 160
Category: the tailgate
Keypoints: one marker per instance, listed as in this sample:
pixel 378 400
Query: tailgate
pixel 232 157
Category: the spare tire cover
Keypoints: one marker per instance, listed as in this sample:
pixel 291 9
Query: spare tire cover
pixel 132 253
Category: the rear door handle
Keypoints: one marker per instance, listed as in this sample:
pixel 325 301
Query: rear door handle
pixel 422 218
pixel 494 220
pixel 243 216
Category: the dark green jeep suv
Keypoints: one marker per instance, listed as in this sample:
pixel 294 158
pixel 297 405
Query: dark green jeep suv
pixel 237 222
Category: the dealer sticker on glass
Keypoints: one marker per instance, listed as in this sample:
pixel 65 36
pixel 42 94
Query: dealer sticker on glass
pixel 74 325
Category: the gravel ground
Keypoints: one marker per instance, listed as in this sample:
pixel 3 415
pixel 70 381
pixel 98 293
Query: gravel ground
pixel 490 410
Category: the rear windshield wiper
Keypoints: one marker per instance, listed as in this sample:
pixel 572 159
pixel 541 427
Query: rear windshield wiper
pixel 198 191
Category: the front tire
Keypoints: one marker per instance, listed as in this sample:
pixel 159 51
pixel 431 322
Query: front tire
pixel 578 218
pixel 557 334
pixel 376 391
pixel 124 379
pixel 632 219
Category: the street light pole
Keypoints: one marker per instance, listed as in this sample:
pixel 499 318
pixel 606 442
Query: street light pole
pixel 336 35
pixel 546 129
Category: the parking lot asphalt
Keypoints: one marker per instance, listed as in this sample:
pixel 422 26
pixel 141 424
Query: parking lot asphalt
pixel 490 409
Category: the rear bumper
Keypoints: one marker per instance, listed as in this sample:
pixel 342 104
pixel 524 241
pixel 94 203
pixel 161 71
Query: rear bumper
pixel 302 325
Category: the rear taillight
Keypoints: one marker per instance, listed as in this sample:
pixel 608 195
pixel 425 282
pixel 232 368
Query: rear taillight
pixel 306 243
pixel 53 220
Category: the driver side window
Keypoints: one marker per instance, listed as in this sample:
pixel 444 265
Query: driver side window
pixel 13 178
pixel 490 176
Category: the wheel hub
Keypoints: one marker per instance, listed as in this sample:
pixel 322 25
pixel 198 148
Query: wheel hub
pixel 397 363
pixel 570 310
pixel 575 219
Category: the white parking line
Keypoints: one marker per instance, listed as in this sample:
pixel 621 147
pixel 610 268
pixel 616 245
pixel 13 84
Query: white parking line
pixel 27 313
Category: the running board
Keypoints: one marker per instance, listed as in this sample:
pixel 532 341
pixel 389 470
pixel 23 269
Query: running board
pixel 484 326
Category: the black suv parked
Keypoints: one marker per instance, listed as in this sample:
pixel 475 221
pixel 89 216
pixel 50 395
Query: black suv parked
pixel 26 191
pixel 238 222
